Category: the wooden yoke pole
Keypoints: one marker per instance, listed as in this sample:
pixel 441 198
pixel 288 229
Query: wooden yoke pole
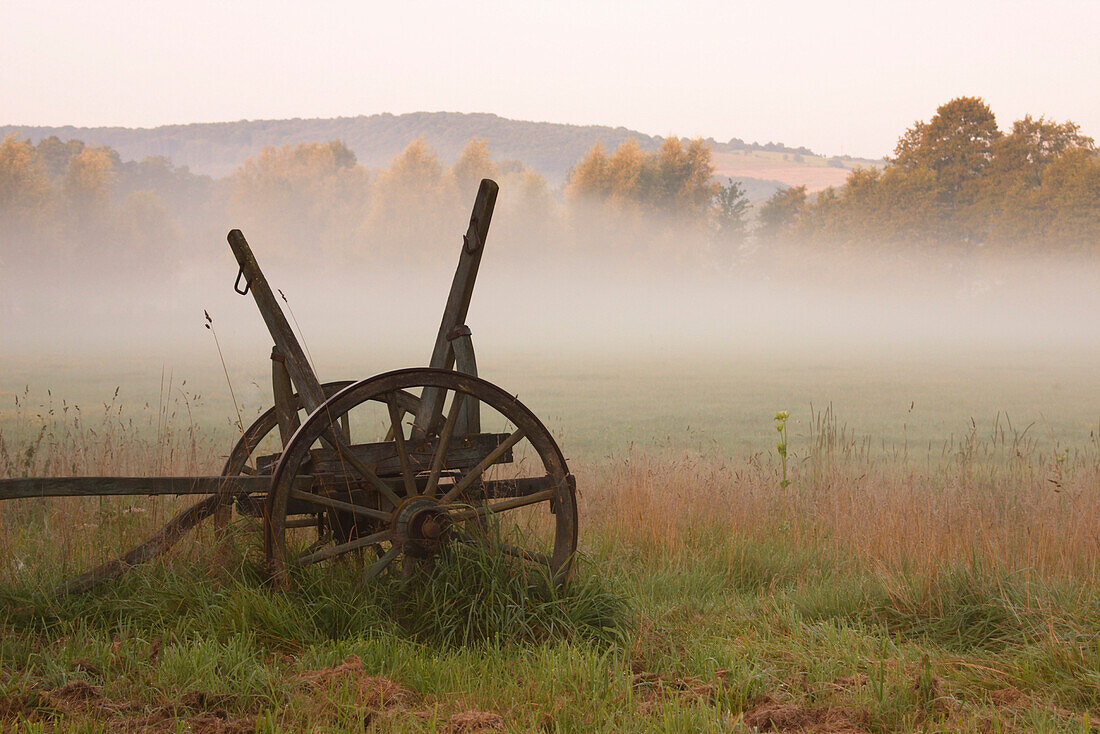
pixel 309 387
pixel 458 301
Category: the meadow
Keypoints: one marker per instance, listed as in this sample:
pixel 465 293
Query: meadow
pixel 931 565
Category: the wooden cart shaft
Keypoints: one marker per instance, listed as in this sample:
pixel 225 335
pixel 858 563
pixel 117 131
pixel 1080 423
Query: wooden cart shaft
pixel 36 487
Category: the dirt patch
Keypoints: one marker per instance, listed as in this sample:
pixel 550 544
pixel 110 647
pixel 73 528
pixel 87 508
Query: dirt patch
pixel 653 689
pixel 472 722
pixel 1008 697
pixel 376 691
pixel 206 701
pixel 75 692
pixel 219 722
pixel 162 722
pixel 25 705
pixel 200 712
pixel 770 715
pixel 847 682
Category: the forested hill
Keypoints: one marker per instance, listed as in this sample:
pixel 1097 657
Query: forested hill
pixel 216 149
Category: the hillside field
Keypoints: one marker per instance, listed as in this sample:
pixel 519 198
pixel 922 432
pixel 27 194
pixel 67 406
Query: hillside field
pixel 813 172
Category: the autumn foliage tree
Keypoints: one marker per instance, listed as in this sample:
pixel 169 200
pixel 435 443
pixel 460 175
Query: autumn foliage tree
pixel 673 180
pixel 310 194
pixel 633 196
pixel 959 180
pixel 474 163
pixel 26 198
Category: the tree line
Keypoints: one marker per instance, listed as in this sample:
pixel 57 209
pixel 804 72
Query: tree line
pixel 69 205
pixel 66 204
pixel 958 181
pixel 955 181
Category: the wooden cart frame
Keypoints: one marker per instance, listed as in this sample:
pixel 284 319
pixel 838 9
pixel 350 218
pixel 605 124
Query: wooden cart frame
pixel 434 478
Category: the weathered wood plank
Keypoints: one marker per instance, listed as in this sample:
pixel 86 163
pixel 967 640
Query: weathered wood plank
pixel 458 301
pixel 286 404
pixel 360 495
pixel 493 457
pixel 297 364
pixel 461 455
pixel 469 421
pixel 503 488
pixel 109 486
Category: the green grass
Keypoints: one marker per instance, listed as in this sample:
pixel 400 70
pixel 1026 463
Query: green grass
pixel 691 642
pixel 908 400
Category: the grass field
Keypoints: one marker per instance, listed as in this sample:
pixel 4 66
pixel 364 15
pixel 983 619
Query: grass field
pixel 813 172
pixel 921 572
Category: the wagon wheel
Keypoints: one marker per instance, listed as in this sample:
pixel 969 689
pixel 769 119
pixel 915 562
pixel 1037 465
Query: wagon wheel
pixel 423 492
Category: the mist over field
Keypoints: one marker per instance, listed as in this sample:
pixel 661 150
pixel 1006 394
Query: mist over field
pixel 571 303
pixel 645 300
pixel 614 352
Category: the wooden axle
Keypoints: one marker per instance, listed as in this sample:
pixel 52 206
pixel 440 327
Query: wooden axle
pixel 384 460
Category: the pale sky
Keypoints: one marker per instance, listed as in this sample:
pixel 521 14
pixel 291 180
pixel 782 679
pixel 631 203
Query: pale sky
pixel 841 78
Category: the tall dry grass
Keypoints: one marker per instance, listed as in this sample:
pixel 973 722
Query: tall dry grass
pixel 998 499
pixel 50 538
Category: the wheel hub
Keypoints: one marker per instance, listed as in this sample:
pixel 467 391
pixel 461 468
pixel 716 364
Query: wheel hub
pixel 421 526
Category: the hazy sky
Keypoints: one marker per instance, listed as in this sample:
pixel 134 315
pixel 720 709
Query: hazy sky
pixel 839 77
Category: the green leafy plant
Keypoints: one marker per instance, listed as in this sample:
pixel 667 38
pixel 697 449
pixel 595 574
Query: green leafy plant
pixel 781 427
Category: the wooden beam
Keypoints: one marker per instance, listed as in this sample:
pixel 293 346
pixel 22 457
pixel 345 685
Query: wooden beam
pixel 108 486
pixel 309 387
pixel 286 405
pixel 383 458
pixel 462 344
pixel 458 301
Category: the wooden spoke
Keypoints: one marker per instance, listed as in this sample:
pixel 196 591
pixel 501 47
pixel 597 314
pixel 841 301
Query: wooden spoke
pixel 404 411
pixel 345 427
pixel 408 568
pixel 503 505
pixel 380 565
pixel 399 443
pixel 316 499
pixel 338 550
pixel 444 440
pixel 365 472
pixel 478 470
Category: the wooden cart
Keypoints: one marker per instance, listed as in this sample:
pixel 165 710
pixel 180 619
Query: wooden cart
pixel 450 458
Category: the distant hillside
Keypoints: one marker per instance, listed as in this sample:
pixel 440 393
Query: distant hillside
pixel 216 149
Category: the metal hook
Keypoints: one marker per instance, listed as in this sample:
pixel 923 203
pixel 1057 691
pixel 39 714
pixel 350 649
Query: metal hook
pixel 237 283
